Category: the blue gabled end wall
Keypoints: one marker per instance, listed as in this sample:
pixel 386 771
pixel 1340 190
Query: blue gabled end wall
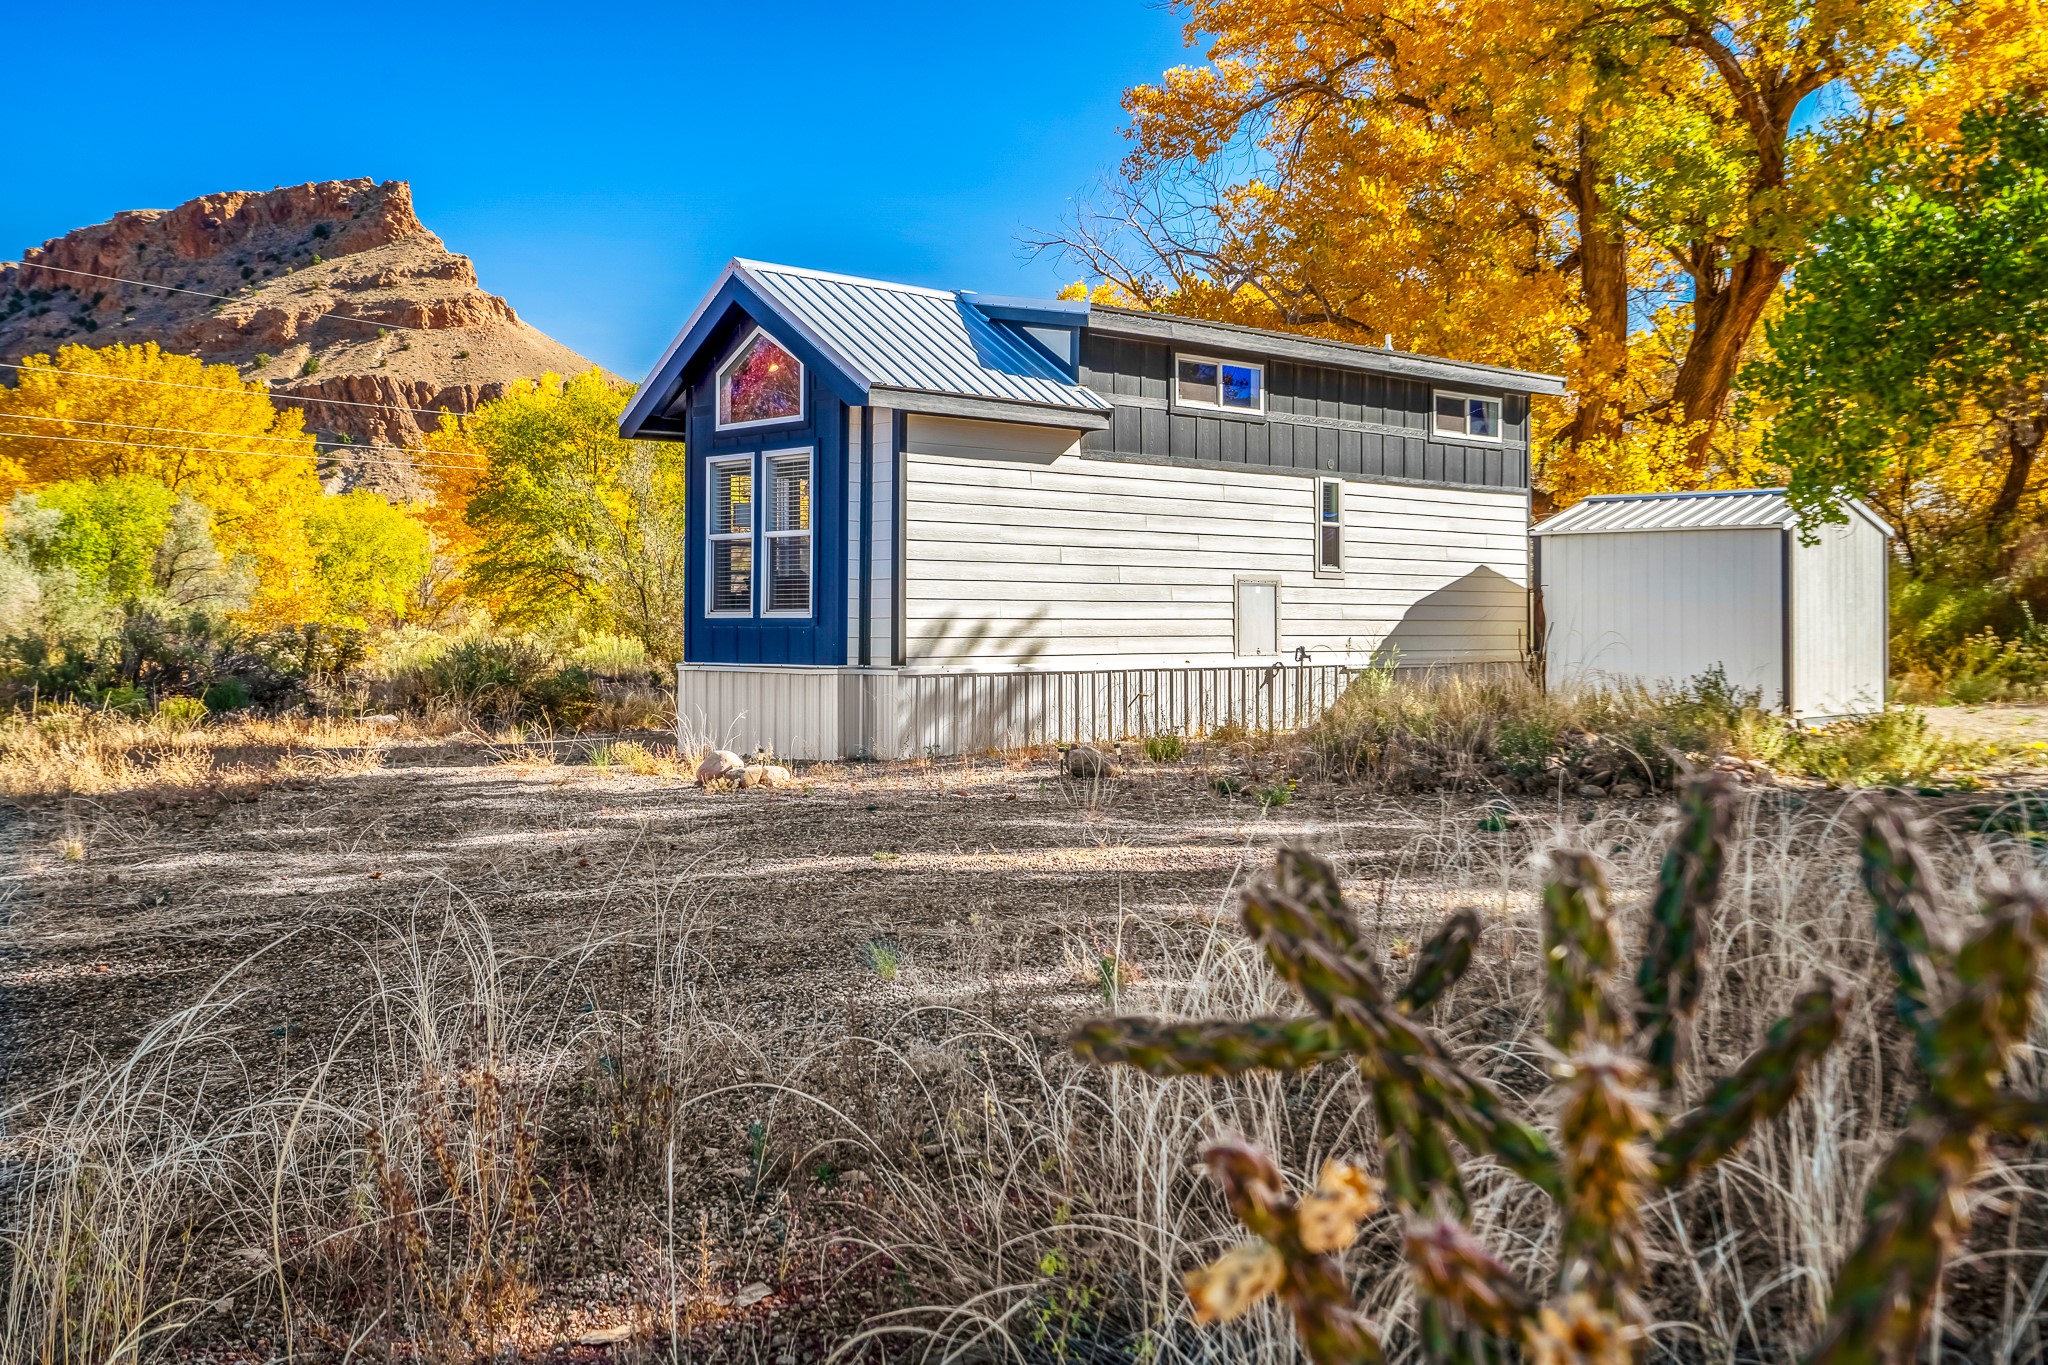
pixel 820 639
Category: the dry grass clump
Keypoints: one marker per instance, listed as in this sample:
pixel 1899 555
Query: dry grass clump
pixel 77 751
pixel 1502 729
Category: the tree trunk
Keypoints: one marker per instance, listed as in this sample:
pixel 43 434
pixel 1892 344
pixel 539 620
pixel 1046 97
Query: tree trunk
pixel 1723 316
pixel 2022 446
pixel 1603 280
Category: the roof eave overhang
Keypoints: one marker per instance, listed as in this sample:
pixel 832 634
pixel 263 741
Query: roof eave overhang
pixel 1255 341
pixel 991 409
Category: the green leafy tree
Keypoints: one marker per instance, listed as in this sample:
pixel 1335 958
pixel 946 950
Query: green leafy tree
pixel 576 526
pixel 1911 366
pixel 107 531
pixel 369 557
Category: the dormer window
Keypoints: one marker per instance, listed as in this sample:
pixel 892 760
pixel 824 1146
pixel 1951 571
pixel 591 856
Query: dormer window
pixel 761 384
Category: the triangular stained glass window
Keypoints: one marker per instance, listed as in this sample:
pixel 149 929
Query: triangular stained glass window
pixel 762 383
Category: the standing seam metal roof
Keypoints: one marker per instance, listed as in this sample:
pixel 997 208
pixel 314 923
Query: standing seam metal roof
pixel 903 337
pixel 1713 510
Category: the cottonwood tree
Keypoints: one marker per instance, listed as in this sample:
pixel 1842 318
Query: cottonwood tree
pixel 1911 366
pixel 1529 181
pixel 196 429
pixel 573 525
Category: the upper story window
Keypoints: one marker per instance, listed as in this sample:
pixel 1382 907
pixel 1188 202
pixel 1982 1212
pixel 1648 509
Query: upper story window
pixel 1467 414
pixel 762 383
pixel 1227 385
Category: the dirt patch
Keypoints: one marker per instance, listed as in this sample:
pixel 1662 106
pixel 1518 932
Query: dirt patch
pixel 865 1119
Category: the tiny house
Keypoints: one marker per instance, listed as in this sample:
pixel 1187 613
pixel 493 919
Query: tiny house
pixel 925 521
pixel 1659 589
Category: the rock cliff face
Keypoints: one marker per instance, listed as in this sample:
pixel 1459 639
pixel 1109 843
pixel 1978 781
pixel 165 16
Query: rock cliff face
pixel 334 294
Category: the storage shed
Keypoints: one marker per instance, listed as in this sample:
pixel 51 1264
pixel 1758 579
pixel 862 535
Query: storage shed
pixel 1661 588
pixel 929 521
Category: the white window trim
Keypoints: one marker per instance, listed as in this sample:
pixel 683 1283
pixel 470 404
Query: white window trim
pixel 1237 585
pixel 712 538
pixel 1495 399
pixel 1323 570
pixel 765 559
pixel 1219 406
pixel 803 387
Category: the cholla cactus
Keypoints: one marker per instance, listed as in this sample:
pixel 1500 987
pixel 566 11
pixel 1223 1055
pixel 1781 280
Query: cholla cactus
pixel 1612 1150
pixel 1917 1211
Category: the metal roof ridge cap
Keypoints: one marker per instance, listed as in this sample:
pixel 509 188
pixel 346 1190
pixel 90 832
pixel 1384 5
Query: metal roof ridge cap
pixel 895 286
pixel 810 334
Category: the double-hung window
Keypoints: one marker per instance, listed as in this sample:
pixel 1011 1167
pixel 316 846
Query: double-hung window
pixel 788 533
pixel 730 505
pixel 1329 526
pixel 1469 415
pixel 1224 385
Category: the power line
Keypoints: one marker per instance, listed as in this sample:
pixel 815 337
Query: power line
pixel 201 293
pixel 215 450
pixel 189 431
pixel 218 388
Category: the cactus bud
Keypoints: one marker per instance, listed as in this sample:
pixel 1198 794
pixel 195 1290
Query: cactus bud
pixel 1343 1198
pixel 1227 1287
pixel 1578 1332
pixel 1454 1267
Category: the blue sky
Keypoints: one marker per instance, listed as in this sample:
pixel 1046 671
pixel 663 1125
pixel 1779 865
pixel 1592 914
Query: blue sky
pixel 599 162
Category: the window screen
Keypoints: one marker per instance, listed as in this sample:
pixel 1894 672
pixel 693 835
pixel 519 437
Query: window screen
pixel 1330 526
pixel 1258 618
pixel 789 533
pixel 731 506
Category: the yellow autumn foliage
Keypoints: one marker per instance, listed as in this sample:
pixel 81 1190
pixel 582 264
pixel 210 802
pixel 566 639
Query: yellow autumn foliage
pixel 197 428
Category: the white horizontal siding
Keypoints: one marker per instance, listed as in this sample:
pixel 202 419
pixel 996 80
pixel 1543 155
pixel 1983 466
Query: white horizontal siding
pixel 1021 553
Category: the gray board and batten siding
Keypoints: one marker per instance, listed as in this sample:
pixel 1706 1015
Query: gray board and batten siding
pixel 1347 410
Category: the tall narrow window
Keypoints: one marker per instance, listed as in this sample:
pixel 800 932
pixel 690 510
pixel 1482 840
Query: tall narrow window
pixel 789 534
pixel 1329 526
pixel 731 507
pixel 762 383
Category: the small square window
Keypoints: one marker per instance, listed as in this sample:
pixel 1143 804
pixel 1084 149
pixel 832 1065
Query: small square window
pixel 1469 415
pixel 1228 385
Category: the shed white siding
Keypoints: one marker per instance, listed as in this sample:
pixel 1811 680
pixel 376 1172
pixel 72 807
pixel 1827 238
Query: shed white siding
pixel 1662 607
pixel 1022 554
pixel 1839 651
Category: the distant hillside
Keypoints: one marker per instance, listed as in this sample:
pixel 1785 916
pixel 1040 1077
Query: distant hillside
pixel 287 256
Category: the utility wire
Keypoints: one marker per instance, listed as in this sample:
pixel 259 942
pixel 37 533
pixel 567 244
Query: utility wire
pixel 201 293
pixel 188 431
pixel 215 450
pixel 217 388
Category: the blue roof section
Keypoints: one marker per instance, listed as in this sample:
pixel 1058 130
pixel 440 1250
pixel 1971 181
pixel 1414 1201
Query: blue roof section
pixel 889 343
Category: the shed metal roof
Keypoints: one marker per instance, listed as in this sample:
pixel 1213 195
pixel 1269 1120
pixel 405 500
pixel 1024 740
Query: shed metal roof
pixel 1712 510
